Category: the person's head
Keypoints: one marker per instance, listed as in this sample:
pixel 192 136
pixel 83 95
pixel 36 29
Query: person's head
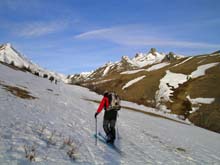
pixel 105 93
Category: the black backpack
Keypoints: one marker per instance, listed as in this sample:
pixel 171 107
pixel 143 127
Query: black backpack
pixel 114 101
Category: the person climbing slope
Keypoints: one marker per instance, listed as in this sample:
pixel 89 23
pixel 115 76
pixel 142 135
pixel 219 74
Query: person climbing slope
pixel 111 103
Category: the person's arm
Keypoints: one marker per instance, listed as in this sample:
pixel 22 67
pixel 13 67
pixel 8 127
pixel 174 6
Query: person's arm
pixel 101 105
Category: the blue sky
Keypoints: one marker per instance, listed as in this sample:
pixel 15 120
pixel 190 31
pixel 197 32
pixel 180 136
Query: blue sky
pixel 72 36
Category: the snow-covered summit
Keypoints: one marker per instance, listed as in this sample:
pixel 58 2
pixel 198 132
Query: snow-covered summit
pixel 9 55
pixel 143 59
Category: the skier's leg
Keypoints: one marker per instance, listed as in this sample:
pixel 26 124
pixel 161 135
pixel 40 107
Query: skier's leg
pixel 106 127
pixel 112 129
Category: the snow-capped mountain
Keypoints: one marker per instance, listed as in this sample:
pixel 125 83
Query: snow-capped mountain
pixel 140 60
pixel 78 77
pixel 11 56
pixel 185 86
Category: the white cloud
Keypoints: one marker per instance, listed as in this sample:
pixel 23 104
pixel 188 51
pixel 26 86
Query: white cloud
pixel 35 29
pixel 138 35
pixel 92 34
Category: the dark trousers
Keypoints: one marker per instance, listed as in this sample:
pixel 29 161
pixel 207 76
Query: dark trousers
pixel 109 122
pixel 109 128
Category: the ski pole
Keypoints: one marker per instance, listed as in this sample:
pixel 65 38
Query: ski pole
pixel 118 132
pixel 117 129
pixel 96 131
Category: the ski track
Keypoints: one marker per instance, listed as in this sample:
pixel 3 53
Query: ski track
pixel 63 112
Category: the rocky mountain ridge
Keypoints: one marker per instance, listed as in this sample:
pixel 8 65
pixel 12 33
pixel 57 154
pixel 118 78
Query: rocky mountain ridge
pixel 140 60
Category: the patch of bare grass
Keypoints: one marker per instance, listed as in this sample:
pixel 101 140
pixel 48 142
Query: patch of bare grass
pixel 19 92
pixel 30 152
pixel 180 149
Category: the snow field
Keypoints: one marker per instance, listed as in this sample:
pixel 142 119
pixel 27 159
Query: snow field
pixel 133 82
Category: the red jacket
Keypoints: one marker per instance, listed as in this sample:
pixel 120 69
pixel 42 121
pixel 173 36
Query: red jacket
pixel 103 103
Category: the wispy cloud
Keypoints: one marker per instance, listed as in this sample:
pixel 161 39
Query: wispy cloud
pixel 36 29
pixel 94 34
pixel 18 4
pixel 138 35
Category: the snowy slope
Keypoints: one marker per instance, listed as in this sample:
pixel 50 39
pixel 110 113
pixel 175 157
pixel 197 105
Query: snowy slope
pixel 133 82
pixel 133 71
pixel 10 55
pixel 172 81
pixel 152 68
pixel 61 111
pixel 158 66
pixel 201 70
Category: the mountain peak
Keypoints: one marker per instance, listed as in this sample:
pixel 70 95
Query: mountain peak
pixel 153 51
pixel 139 55
pixel 9 55
pixel 8 45
pixel 5 46
pixel 126 58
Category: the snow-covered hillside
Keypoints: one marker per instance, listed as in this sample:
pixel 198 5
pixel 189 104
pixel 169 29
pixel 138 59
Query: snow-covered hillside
pixel 57 122
pixel 172 81
pixel 10 55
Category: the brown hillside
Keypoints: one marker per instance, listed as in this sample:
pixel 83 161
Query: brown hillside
pixel 143 92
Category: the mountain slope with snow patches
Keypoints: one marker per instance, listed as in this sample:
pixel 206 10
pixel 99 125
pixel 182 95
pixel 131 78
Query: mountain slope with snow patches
pixel 170 85
pixel 56 126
